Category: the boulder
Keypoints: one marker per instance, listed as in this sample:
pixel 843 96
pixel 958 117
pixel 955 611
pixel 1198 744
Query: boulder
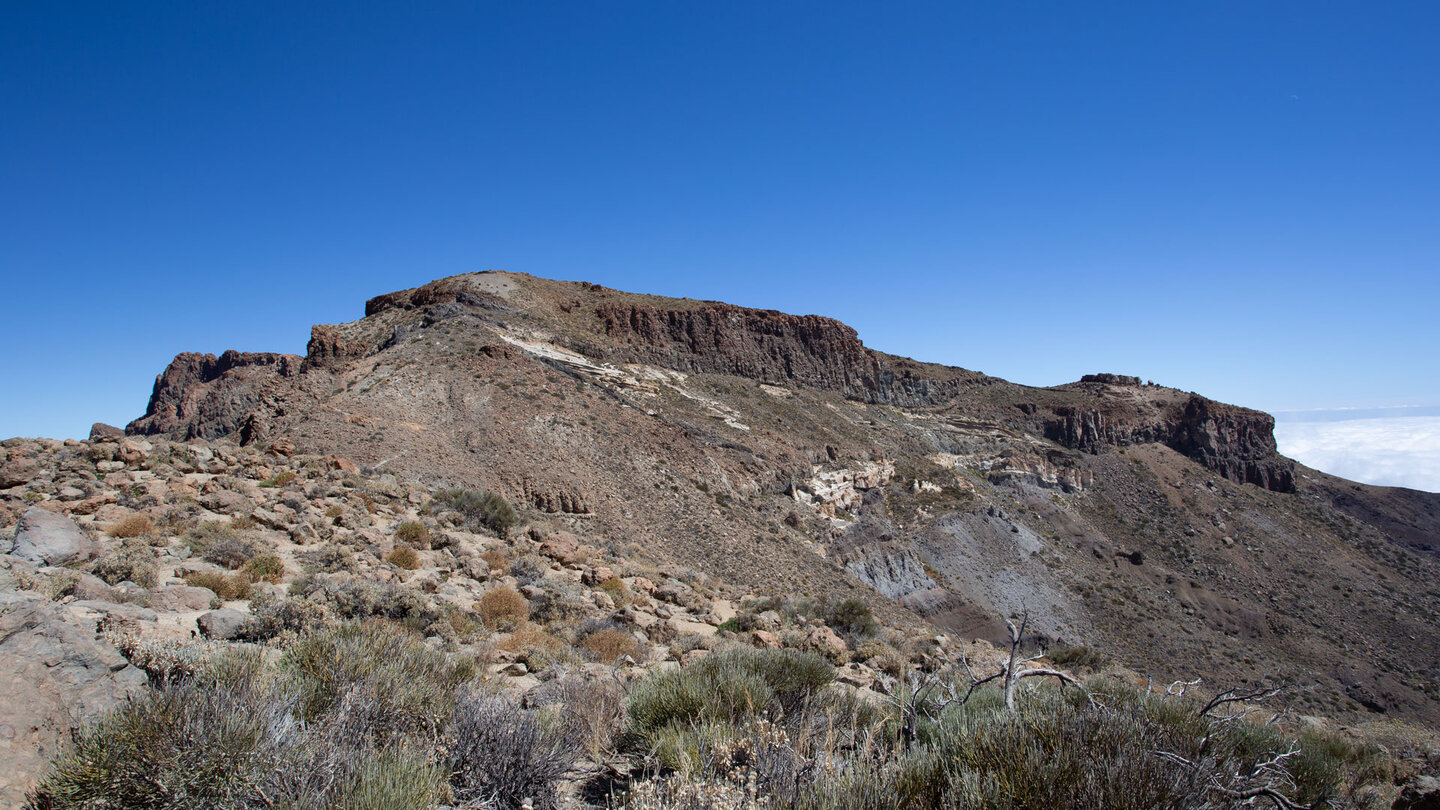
pixel 562 547
pixel 18 471
pixel 823 640
pixel 765 638
pixel 100 430
pixel 54 675
pixel 178 598
pixel 224 623
pixel 1420 793
pixel 47 538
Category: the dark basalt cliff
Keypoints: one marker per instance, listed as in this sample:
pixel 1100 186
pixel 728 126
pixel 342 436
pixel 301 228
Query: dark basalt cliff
pixel 1236 442
pixel 201 396
pixel 771 347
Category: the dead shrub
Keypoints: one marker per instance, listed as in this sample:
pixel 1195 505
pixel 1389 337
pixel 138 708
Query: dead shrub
pixel 404 557
pixel 225 586
pixel 502 606
pixel 495 558
pixel 413 534
pixel 138 525
pixel 231 552
pixel 611 644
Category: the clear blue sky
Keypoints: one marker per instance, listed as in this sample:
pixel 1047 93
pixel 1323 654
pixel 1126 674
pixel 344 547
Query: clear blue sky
pixel 1241 199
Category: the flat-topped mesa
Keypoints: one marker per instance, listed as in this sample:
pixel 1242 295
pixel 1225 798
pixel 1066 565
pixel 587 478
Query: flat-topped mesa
pixel 201 396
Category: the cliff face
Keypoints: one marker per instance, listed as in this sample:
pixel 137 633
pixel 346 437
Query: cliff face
pixel 201 396
pixel 771 347
pixel 1237 443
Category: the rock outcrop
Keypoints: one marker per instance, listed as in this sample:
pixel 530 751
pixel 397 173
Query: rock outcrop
pixel 201 396
pixel 1237 443
pixel 54 675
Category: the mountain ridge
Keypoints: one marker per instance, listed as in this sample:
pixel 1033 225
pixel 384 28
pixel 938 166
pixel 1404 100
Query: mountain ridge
pixel 779 452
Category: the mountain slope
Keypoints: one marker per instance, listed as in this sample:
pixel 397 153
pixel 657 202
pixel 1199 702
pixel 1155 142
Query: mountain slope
pixel 778 452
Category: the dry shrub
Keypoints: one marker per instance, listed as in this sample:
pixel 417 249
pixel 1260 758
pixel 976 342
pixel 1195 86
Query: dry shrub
pixel 618 590
pixel 506 756
pixel 413 534
pixel 503 606
pixel 132 561
pixel 495 558
pixel 225 586
pixel 536 648
pixel 404 557
pixel 139 525
pixel 335 511
pixel 231 552
pixel 595 713
pixel 610 644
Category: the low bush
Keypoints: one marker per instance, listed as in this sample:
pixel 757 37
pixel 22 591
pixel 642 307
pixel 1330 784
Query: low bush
pixel 138 525
pixel 329 559
pixel 618 590
pixel 351 598
pixel 611 644
pixel 225 586
pixel 479 508
pixel 264 568
pixel 404 557
pixel 726 686
pixel 413 534
pixel 193 742
pixel 502 755
pixel 132 561
pixel 271 618
pixel 502 607
pixel 851 617
pixel 279 479
pixel 1078 657
pixel 494 558
pixel 381 677
pixel 231 552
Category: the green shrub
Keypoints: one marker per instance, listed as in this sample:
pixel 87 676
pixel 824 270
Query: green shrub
pixel 727 686
pixel 480 508
pixel 195 742
pixel 264 568
pixel 385 676
pixel 851 617
pixel 1078 656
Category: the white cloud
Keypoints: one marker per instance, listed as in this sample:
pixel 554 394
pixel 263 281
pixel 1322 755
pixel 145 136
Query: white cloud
pixel 1395 451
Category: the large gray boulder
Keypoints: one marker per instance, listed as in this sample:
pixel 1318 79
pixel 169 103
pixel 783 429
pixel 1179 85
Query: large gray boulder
pixel 224 623
pixel 54 675
pixel 46 538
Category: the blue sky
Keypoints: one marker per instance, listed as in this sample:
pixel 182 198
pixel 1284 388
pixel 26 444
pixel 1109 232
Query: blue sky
pixel 1241 199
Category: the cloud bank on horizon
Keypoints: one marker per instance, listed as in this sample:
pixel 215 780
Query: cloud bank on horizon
pixel 1398 451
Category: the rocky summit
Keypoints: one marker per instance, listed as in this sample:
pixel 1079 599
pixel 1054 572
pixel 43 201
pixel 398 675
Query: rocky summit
pixel 575 485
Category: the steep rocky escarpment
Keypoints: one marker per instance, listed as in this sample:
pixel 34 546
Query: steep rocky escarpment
pixel 1236 442
pixel 201 396
pixel 771 347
